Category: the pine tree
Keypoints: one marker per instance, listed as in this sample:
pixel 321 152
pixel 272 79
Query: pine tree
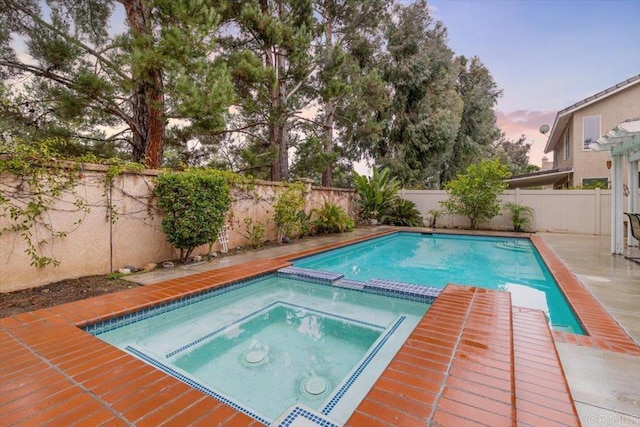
pixel 82 76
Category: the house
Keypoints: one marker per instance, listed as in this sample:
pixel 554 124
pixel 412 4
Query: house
pixel 575 163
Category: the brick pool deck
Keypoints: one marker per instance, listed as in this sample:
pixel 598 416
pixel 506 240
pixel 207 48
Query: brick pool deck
pixel 472 360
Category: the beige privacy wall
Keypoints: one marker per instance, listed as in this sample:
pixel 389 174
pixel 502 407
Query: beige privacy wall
pixel 103 240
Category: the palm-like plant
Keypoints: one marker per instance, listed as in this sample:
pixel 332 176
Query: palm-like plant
pixel 402 212
pixel 376 193
pixel 331 218
pixel 521 215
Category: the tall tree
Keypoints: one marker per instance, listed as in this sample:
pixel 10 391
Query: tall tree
pixel 348 39
pixel 268 46
pixel 478 131
pixel 514 154
pixel 426 109
pixel 158 69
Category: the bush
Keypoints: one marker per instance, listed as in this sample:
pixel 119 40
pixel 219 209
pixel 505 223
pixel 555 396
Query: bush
pixel 194 204
pixel 375 194
pixel 475 193
pixel 402 212
pixel 254 232
pixel 331 218
pixel 521 215
pixel 286 211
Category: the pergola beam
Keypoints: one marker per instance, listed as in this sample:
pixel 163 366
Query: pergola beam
pixel 622 142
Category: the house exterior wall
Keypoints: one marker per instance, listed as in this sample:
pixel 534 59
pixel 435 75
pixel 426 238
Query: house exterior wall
pixel 612 110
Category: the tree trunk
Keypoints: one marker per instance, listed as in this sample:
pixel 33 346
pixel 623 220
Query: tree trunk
pixel 327 174
pixel 148 95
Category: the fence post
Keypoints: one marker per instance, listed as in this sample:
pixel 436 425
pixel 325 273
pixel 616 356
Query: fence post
pixel 517 195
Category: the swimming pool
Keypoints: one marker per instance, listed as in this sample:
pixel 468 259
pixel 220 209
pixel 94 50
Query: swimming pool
pixel 510 264
pixel 268 345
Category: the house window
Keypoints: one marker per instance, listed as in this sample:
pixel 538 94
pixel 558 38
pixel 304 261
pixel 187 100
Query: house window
pixel 566 144
pixel 589 183
pixel 590 130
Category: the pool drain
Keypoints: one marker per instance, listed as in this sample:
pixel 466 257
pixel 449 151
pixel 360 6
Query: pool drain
pixel 255 356
pixel 315 386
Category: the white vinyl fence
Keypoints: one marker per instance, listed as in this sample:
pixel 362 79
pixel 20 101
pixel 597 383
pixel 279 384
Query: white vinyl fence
pixel 566 211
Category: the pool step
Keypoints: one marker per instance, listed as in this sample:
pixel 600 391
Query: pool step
pixel 404 290
pixel 350 284
pixel 307 273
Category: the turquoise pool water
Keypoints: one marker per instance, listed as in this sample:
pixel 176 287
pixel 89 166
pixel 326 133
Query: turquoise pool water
pixel 266 345
pixel 507 264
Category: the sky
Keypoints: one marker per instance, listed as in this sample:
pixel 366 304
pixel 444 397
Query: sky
pixel 544 54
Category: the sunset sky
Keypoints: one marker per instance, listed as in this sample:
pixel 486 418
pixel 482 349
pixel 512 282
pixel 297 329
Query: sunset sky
pixel 545 54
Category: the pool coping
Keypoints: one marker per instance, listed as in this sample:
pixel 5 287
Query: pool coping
pixel 54 372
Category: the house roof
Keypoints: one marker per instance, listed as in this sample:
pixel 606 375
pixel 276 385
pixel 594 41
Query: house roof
pixel 563 116
pixel 536 179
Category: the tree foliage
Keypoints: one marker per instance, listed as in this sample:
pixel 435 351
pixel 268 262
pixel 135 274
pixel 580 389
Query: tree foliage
pixel 249 86
pixel 479 94
pixel 514 154
pixel 474 194
pixel 425 109
pixel 194 204
pixel 81 76
pixel 286 211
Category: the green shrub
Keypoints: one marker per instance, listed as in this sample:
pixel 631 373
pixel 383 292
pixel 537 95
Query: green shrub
pixel 475 193
pixel 521 215
pixel 286 211
pixel 433 217
pixel 331 218
pixel 304 222
pixel 402 212
pixel 254 232
pixel 375 194
pixel 194 204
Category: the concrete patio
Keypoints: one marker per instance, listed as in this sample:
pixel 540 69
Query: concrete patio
pixel 605 386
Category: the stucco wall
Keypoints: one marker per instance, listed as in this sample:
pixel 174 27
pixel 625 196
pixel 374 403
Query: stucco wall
pixel 104 240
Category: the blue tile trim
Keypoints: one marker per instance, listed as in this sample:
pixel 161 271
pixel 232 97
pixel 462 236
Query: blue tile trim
pixel 166 369
pixel 402 289
pixel 263 309
pixel 316 419
pixel 325 276
pixel 127 319
pixel 352 379
pixel 350 284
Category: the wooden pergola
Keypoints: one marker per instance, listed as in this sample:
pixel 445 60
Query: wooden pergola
pixel 623 144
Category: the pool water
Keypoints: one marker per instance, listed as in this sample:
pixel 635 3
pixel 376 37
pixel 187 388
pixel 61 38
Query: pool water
pixel 509 264
pixel 266 345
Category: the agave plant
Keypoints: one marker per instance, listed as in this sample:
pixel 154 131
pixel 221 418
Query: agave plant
pixel 376 193
pixel 521 215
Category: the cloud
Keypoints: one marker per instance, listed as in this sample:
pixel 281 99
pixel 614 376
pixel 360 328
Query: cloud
pixel 527 123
